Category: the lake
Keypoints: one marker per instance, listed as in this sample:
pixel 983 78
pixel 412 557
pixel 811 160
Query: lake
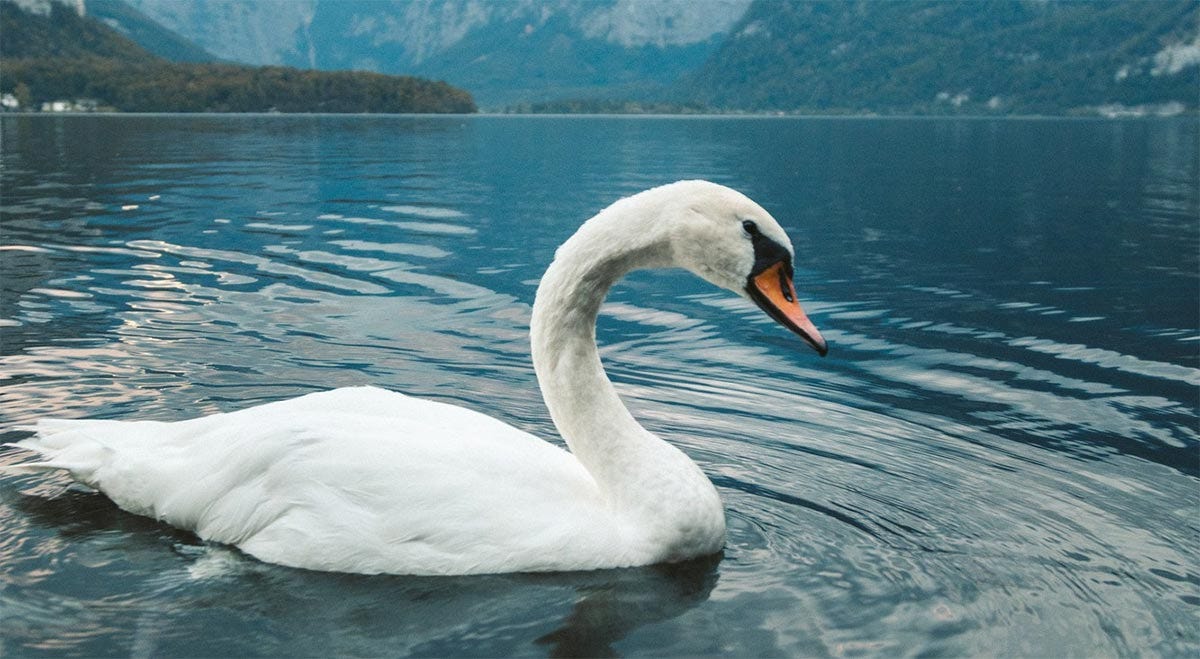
pixel 999 456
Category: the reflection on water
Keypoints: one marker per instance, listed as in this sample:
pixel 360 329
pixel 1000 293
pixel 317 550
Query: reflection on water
pixel 999 456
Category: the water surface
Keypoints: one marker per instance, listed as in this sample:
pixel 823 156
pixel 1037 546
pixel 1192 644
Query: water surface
pixel 999 456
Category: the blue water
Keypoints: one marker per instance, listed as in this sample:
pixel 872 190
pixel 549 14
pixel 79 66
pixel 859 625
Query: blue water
pixel 1000 456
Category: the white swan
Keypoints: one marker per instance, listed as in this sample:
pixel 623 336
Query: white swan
pixel 369 481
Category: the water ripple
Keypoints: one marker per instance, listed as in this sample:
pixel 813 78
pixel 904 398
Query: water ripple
pixel 998 456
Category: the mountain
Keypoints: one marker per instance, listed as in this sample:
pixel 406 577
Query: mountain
pixel 823 56
pixel 793 56
pixel 54 51
pixel 504 52
pixel 260 32
pixel 924 56
pixel 146 32
pixel 45 29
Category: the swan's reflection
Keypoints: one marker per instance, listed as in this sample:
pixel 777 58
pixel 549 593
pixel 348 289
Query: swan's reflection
pixel 627 599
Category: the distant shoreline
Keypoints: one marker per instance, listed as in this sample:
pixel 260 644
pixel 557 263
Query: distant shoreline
pixel 1192 115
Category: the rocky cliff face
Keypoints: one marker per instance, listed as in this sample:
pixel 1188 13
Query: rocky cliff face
pixel 258 32
pixel 502 51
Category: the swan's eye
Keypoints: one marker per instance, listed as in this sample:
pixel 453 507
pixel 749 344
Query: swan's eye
pixel 750 227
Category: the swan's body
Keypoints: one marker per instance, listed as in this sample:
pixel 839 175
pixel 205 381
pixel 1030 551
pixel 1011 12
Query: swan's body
pixel 350 480
pixel 365 480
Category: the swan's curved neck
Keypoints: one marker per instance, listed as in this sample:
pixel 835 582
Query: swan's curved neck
pixel 583 402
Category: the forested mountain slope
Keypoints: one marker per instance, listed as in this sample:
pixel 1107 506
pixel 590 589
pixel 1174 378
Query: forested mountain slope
pixel 929 56
pixel 52 52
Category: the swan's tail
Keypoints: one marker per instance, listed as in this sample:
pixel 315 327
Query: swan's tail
pixel 131 462
pixel 73 446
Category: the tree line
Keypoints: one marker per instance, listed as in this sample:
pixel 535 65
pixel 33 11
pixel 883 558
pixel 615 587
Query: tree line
pixel 159 86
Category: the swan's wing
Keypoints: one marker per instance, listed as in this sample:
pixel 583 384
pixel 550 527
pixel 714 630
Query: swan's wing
pixel 356 479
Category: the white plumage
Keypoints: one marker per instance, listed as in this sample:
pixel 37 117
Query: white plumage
pixel 365 480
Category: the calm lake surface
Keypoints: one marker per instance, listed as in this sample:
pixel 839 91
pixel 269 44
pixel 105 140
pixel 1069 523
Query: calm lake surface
pixel 1000 455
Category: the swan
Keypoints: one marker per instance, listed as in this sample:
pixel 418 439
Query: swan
pixel 364 480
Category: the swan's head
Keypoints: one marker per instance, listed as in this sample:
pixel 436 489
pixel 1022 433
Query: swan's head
pixel 725 238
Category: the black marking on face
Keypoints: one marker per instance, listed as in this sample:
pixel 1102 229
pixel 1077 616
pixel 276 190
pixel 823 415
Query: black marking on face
pixel 767 253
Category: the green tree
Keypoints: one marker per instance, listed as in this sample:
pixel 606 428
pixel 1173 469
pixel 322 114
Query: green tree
pixel 24 95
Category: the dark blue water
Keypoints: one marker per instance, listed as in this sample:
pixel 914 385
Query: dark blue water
pixel 1000 456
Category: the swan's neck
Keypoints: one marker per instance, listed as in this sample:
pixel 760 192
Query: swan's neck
pixel 669 508
pixel 585 407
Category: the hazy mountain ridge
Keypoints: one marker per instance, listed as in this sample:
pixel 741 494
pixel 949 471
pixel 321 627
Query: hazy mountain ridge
pixel 502 51
pixel 428 27
pixel 145 31
pixel 260 32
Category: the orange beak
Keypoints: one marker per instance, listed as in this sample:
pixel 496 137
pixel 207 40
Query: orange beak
pixel 773 291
